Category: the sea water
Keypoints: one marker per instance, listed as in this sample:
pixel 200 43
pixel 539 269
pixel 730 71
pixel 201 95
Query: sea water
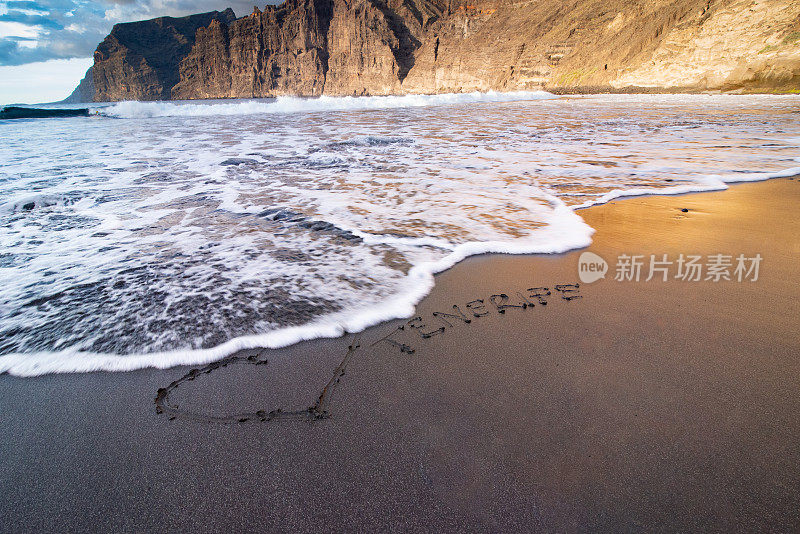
pixel 157 234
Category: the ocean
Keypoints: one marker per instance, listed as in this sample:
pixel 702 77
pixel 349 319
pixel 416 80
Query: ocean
pixel 153 234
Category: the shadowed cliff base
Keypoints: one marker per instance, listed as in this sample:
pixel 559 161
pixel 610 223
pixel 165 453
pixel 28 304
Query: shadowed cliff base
pixel 380 47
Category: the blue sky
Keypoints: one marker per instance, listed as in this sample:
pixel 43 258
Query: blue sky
pixel 46 45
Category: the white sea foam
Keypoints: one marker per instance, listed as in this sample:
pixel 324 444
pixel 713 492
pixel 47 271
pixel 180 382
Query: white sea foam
pixel 214 227
pixel 702 184
pixel 287 104
pixel 566 232
pixel 25 202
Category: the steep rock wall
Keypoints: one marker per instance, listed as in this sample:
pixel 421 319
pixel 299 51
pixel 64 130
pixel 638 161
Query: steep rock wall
pixel 140 60
pixel 359 47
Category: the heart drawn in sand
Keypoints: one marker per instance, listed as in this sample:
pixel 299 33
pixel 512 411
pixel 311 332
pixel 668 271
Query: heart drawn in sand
pixel 320 410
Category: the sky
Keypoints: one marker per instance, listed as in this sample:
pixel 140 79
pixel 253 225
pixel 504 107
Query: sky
pixel 47 45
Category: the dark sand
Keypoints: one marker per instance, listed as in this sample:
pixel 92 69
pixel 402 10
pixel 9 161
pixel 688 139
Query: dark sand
pixel 646 406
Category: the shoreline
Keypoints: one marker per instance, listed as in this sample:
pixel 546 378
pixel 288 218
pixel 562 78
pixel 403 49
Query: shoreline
pixel 341 324
pixel 638 406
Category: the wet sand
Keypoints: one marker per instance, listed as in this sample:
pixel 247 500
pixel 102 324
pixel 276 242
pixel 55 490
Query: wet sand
pixel 639 406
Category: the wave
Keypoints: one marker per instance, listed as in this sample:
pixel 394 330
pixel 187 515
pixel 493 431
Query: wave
pixel 705 184
pixel 283 210
pixel 288 104
pixel 565 231
pixel 20 112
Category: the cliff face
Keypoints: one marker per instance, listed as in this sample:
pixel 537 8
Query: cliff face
pixel 347 47
pixel 303 47
pixel 740 44
pixel 140 60
pixel 282 49
pixel 611 44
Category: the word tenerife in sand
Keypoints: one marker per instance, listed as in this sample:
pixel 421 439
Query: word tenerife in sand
pixel 439 321
pixel 321 410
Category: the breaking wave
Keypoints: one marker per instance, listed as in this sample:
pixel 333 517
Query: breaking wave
pixel 130 244
pixel 286 104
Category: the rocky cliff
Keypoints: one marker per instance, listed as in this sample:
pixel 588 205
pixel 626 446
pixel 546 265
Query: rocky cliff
pixel 357 47
pixel 141 60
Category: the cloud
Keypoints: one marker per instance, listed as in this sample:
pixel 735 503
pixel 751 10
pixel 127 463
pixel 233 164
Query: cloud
pixel 21 17
pixel 40 30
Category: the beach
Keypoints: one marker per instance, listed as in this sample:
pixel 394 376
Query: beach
pixel 617 406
